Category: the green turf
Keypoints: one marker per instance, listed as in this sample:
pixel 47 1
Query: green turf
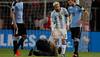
pixel 24 53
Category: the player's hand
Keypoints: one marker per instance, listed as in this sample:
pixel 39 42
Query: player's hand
pixel 67 27
pixel 15 26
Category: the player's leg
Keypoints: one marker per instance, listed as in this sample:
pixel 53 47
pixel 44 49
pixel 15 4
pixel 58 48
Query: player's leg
pixel 63 33
pixel 30 52
pixel 15 39
pixel 75 36
pixel 55 39
pixel 55 36
pixel 22 33
pixel 15 44
pixel 17 53
pixel 63 46
pixel 21 41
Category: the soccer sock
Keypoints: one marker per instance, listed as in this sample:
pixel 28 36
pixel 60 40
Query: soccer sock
pixel 15 46
pixel 30 52
pixel 63 49
pixel 63 55
pixel 63 46
pixel 76 43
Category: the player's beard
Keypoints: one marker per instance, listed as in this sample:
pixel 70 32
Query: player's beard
pixel 57 10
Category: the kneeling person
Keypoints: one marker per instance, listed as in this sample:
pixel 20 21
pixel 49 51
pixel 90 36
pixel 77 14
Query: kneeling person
pixel 44 48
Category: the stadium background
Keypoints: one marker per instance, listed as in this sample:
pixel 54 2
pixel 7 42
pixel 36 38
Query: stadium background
pixel 36 17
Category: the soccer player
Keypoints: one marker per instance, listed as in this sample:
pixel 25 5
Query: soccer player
pixel 59 17
pixel 18 22
pixel 75 26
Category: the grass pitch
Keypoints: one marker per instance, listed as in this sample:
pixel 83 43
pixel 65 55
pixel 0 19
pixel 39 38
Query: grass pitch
pixel 24 53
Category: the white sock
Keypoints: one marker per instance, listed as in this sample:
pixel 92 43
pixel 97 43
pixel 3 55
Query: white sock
pixel 63 49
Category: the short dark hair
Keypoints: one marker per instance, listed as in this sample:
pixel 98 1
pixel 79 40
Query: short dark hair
pixel 73 0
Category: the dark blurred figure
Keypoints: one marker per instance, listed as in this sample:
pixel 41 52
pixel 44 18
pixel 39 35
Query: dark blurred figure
pixel 95 12
pixel 44 48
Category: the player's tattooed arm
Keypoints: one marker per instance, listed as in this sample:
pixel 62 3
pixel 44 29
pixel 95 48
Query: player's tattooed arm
pixel 12 14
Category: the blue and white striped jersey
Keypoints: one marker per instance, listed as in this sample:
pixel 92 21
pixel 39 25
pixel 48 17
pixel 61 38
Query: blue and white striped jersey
pixel 58 19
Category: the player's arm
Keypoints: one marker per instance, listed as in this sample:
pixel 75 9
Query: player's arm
pixel 68 16
pixel 83 15
pixel 12 14
pixel 52 21
pixel 83 10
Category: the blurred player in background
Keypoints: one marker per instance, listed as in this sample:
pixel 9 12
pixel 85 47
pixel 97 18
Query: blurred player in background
pixel 18 22
pixel 45 23
pixel 59 18
pixel 1 24
pixel 75 26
